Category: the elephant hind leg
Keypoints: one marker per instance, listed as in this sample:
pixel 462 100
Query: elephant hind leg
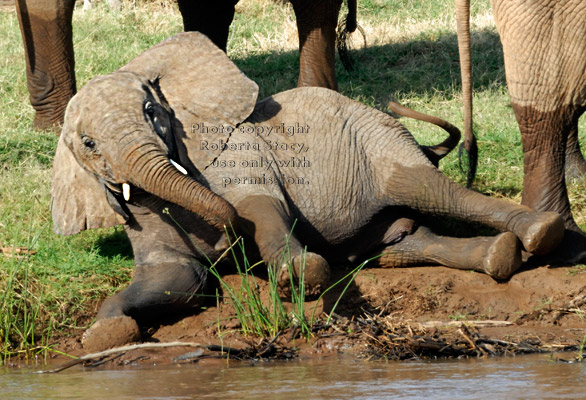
pixel 427 190
pixel 499 256
pixel 267 220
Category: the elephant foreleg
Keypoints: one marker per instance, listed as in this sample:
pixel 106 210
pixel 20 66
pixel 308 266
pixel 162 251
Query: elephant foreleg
pixel 267 220
pixel 498 256
pixel 154 290
pixel 168 287
pixel 50 65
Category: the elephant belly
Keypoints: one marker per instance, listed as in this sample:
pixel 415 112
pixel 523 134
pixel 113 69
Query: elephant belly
pixel 323 228
pixel 342 237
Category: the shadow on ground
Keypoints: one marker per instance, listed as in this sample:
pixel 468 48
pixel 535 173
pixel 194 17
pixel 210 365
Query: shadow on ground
pixel 423 67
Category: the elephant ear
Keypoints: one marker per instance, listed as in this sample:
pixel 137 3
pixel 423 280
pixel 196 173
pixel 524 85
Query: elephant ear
pixel 202 86
pixel 78 200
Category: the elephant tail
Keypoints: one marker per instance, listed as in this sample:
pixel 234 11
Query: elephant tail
pixel 437 152
pixel 345 28
pixel 469 145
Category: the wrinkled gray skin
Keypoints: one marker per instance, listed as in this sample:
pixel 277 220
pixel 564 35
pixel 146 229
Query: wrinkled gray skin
pixel 358 183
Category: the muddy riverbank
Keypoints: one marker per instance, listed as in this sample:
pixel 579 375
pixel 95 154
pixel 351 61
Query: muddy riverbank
pixel 427 312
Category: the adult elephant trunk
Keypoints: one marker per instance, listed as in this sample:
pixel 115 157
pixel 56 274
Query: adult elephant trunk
pixel 153 172
pixel 463 28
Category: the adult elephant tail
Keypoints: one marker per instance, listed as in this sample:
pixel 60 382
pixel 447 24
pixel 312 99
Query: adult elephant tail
pixel 347 26
pixel 437 152
pixel 463 28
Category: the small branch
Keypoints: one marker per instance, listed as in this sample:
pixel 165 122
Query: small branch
pixel 475 324
pixel 119 350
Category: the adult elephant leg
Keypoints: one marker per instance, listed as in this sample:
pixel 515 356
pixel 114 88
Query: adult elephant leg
pixel 212 18
pixel 266 219
pixel 427 190
pixel 498 256
pixel 544 138
pixel 50 66
pixel 316 26
pixel 159 288
pixel 575 163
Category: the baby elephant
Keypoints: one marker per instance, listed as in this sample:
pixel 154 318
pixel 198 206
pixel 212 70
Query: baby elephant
pixel 175 146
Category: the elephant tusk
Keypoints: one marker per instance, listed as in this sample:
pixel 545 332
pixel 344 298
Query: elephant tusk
pixel 179 167
pixel 126 191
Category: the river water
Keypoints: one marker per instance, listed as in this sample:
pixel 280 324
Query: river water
pixel 520 377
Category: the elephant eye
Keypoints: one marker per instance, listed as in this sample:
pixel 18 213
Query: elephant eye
pixel 149 109
pixel 88 142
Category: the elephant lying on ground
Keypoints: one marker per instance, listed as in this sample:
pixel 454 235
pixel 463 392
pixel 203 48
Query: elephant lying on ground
pixel 544 48
pixel 50 64
pixel 352 178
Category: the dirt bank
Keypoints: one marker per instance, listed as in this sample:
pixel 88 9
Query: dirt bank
pixel 398 314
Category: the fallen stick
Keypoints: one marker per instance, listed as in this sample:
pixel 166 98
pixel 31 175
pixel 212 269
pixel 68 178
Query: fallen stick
pixel 119 350
pixel 475 324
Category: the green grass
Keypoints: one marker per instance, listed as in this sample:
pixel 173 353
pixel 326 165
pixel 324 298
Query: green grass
pixel 269 318
pixel 411 56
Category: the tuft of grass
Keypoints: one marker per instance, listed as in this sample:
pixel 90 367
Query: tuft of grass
pixel 255 316
pixel 269 317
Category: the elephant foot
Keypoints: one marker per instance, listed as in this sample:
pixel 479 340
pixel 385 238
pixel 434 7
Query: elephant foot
pixel 499 256
pixel 503 256
pixel 540 232
pixel 571 251
pixel 110 332
pixel 312 267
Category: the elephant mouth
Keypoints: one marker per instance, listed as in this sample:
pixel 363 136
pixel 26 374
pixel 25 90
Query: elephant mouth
pixel 126 189
pixel 122 189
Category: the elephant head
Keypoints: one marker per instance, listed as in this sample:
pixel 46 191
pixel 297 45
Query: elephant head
pixel 165 91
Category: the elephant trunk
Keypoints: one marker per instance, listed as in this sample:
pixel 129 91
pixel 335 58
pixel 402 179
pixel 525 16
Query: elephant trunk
pixel 155 174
